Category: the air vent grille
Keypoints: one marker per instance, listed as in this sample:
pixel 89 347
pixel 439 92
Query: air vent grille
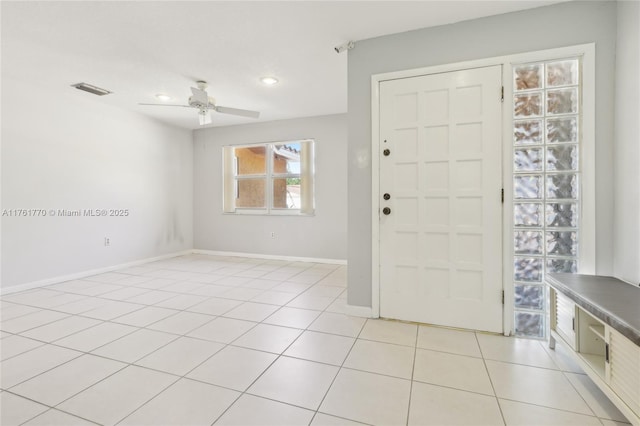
pixel 91 89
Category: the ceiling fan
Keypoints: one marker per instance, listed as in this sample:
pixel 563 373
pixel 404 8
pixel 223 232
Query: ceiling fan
pixel 205 103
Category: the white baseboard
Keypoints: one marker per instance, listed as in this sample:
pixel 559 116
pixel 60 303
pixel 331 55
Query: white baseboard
pixel 271 257
pixel 88 273
pixel 359 311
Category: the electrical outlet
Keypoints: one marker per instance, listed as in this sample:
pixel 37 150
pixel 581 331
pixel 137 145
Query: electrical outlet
pixel 107 242
pixel 273 234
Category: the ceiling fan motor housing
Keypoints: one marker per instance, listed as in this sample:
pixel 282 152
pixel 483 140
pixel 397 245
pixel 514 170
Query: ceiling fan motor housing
pixel 196 103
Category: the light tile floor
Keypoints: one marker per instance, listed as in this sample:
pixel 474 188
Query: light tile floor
pixel 202 340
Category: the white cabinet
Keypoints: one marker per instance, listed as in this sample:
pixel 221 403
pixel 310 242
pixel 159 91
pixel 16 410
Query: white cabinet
pixel 611 359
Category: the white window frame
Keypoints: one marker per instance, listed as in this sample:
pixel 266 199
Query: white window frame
pixel 587 232
pixel 230 179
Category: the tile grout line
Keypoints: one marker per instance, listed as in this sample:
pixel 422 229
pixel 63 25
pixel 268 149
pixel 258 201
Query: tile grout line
pixel 486 368
pixel 340 368
pixel 564 375
pixel 49 408
pixel 413 370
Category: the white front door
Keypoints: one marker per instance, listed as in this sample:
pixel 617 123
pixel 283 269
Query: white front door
pixel 440 168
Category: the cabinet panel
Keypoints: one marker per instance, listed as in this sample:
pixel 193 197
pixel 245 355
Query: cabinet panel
pixel 565 311
pixel 625 369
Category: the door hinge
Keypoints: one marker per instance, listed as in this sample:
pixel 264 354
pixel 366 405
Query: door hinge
pixel 502 195
pixel 573 324
pixel 502 94
pixel 503 297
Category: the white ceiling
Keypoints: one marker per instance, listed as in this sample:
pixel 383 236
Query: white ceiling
pixel 140 48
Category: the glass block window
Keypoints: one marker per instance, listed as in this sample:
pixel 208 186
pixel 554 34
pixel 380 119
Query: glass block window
pixel 546 183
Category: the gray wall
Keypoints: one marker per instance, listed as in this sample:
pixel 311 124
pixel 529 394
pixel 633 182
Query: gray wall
pixel 323 235
pixel 535 29
pixel 627 147
pixel 74 152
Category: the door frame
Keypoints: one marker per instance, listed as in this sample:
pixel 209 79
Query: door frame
pixel 587 160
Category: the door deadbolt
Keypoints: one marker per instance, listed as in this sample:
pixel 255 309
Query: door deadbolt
pixel 386 210
pixel 386 152
pixel 386 196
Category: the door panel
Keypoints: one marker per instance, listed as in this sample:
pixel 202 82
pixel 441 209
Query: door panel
pixel 440 244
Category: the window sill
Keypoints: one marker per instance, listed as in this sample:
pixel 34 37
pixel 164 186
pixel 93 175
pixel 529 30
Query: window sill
pixel 261 212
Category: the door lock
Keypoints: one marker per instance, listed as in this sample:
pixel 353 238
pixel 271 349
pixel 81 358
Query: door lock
pixel 386 211
pixel 386 196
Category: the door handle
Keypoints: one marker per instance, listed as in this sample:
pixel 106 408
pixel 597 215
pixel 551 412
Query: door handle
pixel 386 152
pixel 386 211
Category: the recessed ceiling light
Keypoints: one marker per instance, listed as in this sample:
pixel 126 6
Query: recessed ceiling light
pixel 163 97
pixel 269 81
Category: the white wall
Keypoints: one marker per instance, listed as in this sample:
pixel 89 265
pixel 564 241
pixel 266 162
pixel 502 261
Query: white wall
pixel 626 259
pixel 564 24
pixel 67 150
pixel 320 236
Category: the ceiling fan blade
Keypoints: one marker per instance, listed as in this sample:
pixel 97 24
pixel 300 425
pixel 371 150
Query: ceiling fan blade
pixel 236 111
pixel 200 96
pixel 173 105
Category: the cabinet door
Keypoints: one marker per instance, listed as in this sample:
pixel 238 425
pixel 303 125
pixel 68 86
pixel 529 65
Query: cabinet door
pixel 565 319
pixel 624 368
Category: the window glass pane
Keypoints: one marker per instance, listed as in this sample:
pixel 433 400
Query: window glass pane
pixel 562 186
pixel 562 129
pixel 562 101
pixel 286 158
pixel 286 193
pixel 527 105
pixel 569 266
pixel 527 187
pixel 528 269
pixel 562 243
pixel 527 159
pixel 529 324
pixel 527 242
pixel 527 77
pixel 527 132
pixel 562 215
pixel 562 73
pixel 251 160
pixel 526 214
pixel 529 296
pixel 562 157
pixel 250 193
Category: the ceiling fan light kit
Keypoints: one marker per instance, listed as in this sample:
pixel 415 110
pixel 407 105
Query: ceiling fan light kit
pixel 204 103
pixel 204 117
